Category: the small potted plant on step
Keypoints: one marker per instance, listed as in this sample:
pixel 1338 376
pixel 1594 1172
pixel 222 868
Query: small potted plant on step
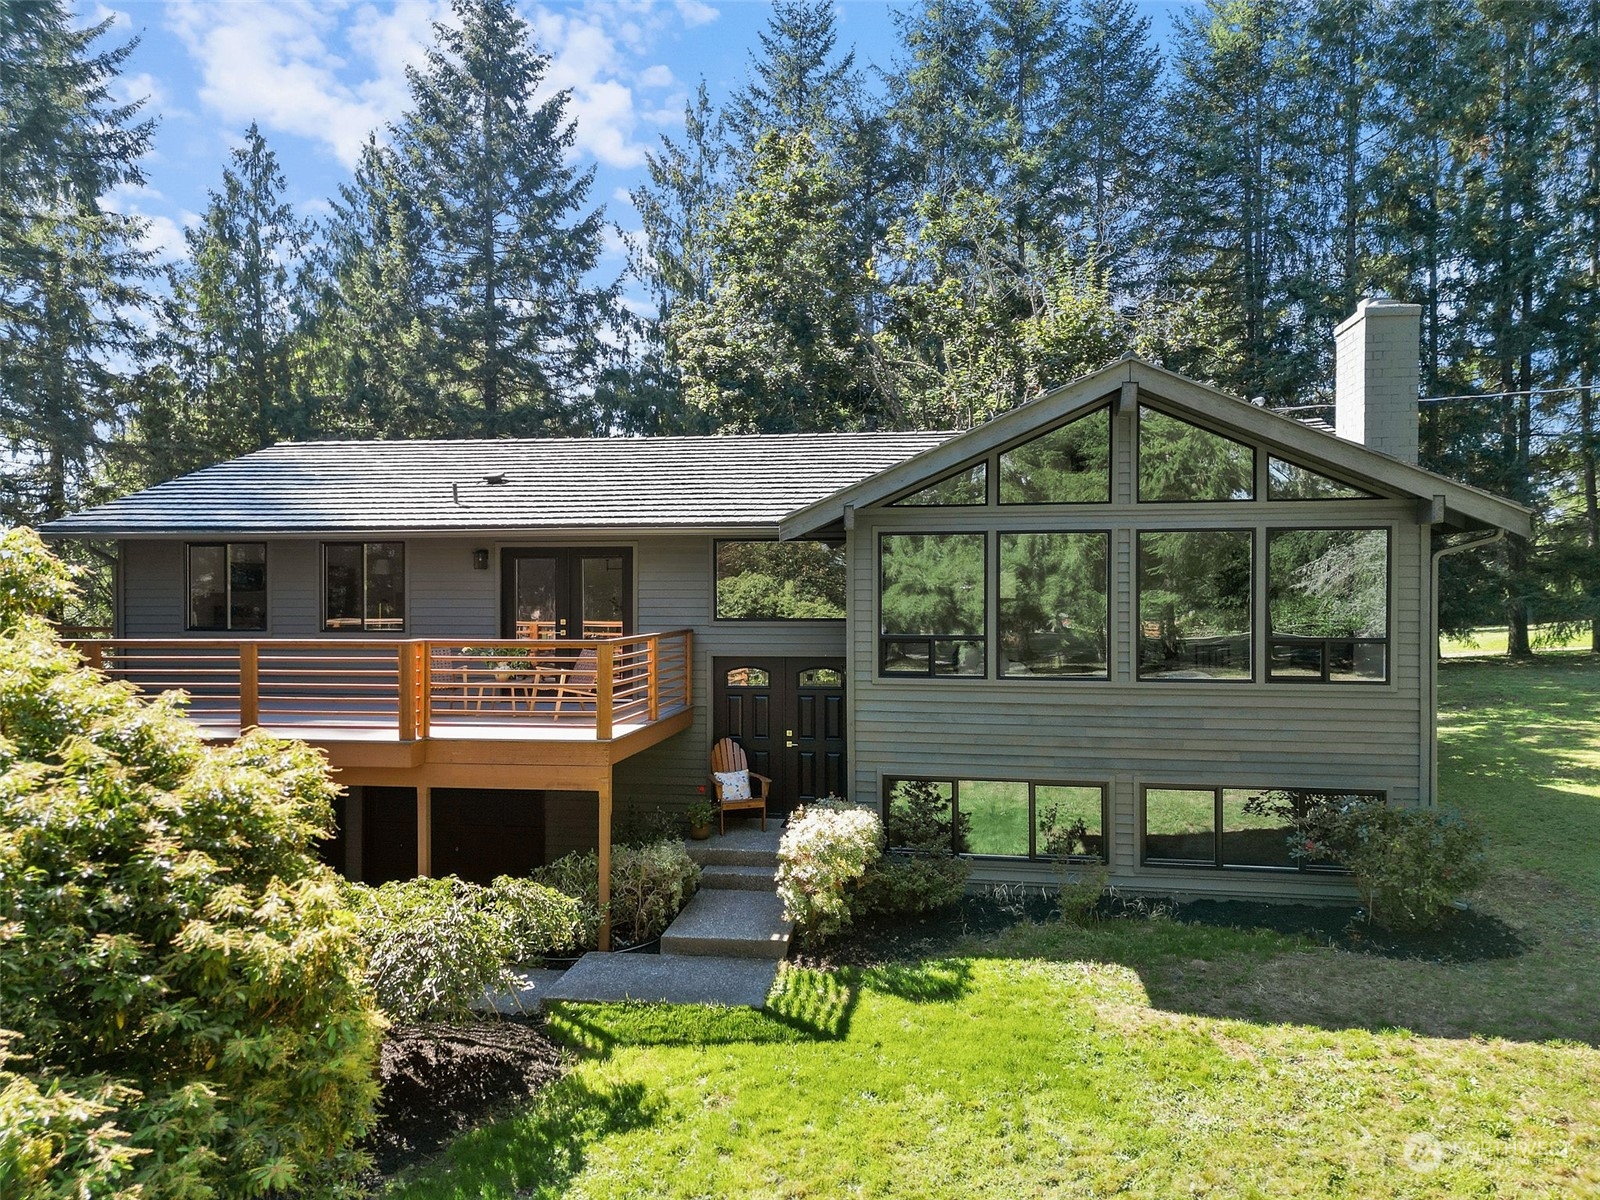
pixel 701 814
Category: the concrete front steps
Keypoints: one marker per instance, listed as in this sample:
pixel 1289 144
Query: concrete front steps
pixel 723 948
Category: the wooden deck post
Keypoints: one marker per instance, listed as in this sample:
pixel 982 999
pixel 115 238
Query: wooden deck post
pixel 249 685
pixel 407 653
pixel 652 666
pixel 604 692
pixel 94 655
pixel 604 791
pixel 424 829
pixel 424 678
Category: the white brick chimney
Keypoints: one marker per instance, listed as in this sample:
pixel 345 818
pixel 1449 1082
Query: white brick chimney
pixel 1375 376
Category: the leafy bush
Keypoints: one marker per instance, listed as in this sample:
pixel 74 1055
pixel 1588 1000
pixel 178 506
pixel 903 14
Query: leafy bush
pixel 822 856
pixel 1081 886
pixel 433 947
pixel 649 886
pixel 904 886
pixel 1410 863
pixel 172 956
pixel 535 921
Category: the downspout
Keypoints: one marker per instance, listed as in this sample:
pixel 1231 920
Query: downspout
pixel 1430 742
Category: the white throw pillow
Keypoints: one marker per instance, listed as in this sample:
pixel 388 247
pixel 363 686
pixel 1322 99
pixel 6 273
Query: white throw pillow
pixel 734 785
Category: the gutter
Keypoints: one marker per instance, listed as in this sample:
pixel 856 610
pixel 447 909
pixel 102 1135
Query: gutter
pixel 1430 741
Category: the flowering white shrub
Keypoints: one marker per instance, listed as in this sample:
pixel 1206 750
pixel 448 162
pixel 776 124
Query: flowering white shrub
pixel 824 852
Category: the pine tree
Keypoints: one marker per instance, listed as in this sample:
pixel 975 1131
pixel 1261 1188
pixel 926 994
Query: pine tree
pixel 236 307
pixel 796 85
pixel 1111 98
pixel 520 330
pixel 71 270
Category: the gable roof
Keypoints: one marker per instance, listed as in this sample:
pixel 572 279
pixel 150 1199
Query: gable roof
pixel 614 484
pixel 1464 507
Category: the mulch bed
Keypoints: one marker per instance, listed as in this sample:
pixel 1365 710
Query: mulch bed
pixel 1469 936
pixel 441 1080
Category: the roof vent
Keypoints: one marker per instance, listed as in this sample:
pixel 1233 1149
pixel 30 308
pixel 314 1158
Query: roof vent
pixel 499 480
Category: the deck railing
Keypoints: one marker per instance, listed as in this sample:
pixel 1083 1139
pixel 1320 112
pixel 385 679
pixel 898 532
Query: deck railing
pixel 417 688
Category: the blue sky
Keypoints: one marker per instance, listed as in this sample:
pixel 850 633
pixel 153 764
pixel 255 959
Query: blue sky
pixel 318 75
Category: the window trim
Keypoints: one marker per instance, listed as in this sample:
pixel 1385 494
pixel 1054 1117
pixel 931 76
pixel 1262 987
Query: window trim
pixel 718 618
pixel 405 584
pixel 1217 863
pixel 1138 452
pixel 227 589
pixel 1387 640
pixel 986 535
pixel 1139 677
pixel 1105 406
pixel 888 780
pixel 999 616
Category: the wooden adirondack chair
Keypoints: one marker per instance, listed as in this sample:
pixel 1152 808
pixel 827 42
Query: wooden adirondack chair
pixel 727 755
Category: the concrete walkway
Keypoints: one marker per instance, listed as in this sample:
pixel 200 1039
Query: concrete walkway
pixel 723 948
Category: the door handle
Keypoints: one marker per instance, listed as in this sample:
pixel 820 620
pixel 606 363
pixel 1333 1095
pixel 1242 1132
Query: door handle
pixel 790 745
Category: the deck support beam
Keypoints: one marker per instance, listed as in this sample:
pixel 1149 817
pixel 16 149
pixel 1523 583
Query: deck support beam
pixel 604 795
pixel 424 829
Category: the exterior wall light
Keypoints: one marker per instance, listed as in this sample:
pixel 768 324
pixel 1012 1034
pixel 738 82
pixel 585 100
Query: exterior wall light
pixel 480 560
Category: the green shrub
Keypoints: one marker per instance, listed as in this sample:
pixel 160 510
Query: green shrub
pixel 1409 863
pixel 822 856
pixel 433 949
pixel 536 922
pixel 166 932
pixel 910 886
pixel 649 886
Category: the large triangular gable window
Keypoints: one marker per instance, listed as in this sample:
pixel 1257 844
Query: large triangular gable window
pixel 965 488
pixel 1291 481
pixel 1182 462
pixel 1068 465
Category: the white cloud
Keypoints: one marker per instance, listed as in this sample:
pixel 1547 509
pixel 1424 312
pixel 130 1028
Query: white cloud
pixel 281 64
pixel 163 236
pixel 695 12
pixel 658 76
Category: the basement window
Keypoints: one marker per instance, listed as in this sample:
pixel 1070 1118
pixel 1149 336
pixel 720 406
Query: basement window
pixel 1272 829
pixel 997 818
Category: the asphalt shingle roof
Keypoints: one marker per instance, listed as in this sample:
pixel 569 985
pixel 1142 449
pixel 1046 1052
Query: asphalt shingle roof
pixel 550 483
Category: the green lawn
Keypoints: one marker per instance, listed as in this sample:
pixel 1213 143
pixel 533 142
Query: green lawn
pixel 1493 641
pixel 1142 1058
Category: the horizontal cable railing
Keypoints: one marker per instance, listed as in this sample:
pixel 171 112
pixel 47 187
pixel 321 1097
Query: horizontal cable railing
pixel 414 688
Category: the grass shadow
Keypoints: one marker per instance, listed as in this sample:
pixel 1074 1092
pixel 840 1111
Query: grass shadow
pixel 928 981
pixel 538 1153
pixel 805 1006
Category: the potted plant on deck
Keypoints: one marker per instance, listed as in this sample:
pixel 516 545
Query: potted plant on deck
pixel 701 814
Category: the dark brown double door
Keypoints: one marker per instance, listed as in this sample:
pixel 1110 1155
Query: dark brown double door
pixel 566 592
pixel 788 714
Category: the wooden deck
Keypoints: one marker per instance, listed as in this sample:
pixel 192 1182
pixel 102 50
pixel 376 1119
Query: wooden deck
pixel 405 690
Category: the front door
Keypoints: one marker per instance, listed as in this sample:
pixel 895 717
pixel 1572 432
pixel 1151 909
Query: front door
pixel 566 592
pixel 788 714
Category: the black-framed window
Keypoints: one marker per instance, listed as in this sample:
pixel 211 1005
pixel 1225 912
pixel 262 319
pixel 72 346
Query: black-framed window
pixel 997 818
pixel 1328 605
pixel 932 604
pixel 1055 605
pixel 1180 462
pixel 1290 481
pixel 1195 595
pixel 1070 464
pixel 364 586
pixel 780 581
pixel 966 488
pixel 1220 828
pixel 227 586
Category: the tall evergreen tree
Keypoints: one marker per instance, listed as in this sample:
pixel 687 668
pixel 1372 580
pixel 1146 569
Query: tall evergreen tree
pixel 236 307
pixel 71 270
pixel 508 249
pixel 796 84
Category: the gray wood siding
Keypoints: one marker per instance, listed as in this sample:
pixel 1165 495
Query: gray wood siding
pixel 1129 734
pixel 676 591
